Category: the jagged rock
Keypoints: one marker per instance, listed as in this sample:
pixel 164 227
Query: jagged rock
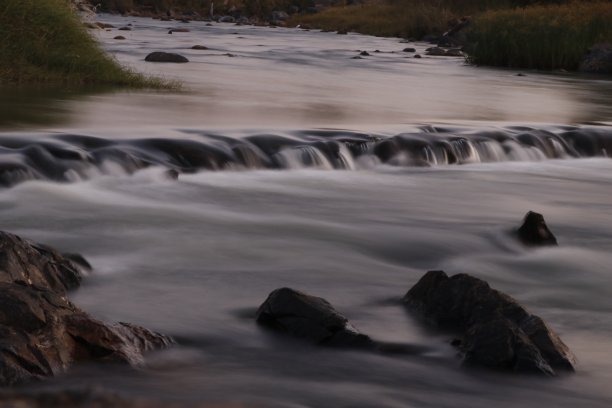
pixel 535 232
pixel 598 60
pixel 24 261
pixel 497 331
pixel 159 56
pixel 310 318
pixel 42 334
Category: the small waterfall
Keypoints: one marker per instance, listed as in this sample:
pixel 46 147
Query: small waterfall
pixel 71 158
pixel 304 157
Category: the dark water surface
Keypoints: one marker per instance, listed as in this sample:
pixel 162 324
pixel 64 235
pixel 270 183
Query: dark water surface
pixel 440 162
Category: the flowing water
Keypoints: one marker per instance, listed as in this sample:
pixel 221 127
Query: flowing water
pixel 292 164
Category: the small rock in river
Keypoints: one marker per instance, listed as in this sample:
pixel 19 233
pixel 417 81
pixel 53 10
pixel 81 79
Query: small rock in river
pixel 535 232
pixel 310 318
pixel 159 56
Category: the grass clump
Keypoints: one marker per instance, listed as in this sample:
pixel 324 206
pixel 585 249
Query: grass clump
pixel 43 41
pixel 541 36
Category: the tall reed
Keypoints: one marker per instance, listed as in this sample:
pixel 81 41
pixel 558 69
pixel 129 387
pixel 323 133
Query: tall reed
pixel 540 37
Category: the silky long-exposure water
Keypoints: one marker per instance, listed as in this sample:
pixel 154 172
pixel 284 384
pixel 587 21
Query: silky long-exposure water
pixel 423 164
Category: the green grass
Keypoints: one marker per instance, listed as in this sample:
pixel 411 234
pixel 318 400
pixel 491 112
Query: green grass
pixel 43 41
pixel 540 37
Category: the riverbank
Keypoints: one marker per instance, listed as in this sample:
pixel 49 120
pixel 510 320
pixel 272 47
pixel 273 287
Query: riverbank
pixel 44 42
pixel 549 37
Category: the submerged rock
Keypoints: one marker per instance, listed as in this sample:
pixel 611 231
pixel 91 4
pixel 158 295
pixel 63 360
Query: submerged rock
pixel 310 318
pixel 497 331
pixel 42 334
pixel 160 56
pixel 24 261
pixel 535 232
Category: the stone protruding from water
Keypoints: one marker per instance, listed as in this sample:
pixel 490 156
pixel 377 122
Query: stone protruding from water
pixel 310 318
pixel 497 332
pixel 159 56
pixel 41 333
pixel 24 261
pixel 535 232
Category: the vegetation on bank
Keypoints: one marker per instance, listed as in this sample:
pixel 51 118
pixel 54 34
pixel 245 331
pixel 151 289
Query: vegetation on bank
pixel 538 34
pixel 397 18
pixel 540 37
pixel 43 41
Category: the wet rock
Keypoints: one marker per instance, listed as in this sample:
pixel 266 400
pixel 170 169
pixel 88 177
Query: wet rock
pixel 342 32
pixel 159 56
pixel 179 30
pixel 409 49
pixel 417 56
pixel 30 263
pixel 310 318
pixel 199 47
pixel 119 37
pixel 497 331
pixel 535 232
pixel 125 29
pixel 227 19
pixel 42 334
pixel 436 51
pixel 364 53
pixel 454 52
pixel 598 60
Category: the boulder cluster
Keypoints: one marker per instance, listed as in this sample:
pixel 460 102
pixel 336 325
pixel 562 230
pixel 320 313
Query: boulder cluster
pixel 494 330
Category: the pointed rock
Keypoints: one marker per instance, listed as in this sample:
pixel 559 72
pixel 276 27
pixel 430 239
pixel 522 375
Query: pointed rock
pixel 497 331
pixel 535 232
pixel 310 318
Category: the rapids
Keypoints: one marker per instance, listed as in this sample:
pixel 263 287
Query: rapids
pixel 292 164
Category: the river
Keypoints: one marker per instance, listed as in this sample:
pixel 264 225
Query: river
pixel 345 178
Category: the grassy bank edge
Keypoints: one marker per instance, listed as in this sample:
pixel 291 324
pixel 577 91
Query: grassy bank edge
pixel 545 37
pixel 45 43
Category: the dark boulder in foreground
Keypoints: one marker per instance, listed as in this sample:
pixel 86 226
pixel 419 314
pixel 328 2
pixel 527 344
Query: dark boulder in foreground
pixel 497 331
pixel 598 60
pixel 42 334
pixel 35 264
pixel 535 232
pixel 311 318
pixel 159 56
